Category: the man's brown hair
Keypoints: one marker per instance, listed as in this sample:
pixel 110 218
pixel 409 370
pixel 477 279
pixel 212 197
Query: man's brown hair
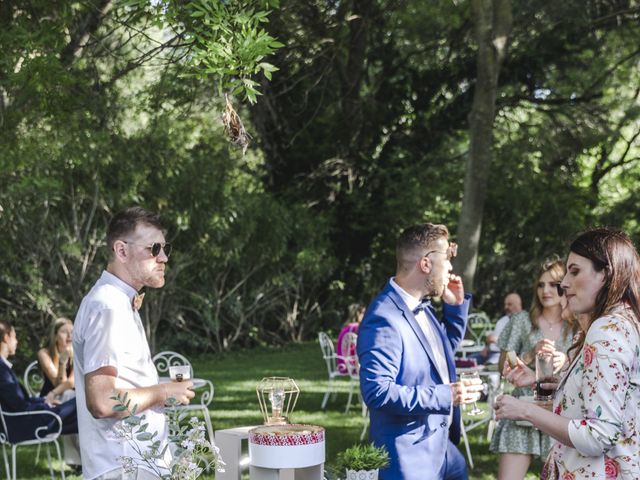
pixel 124 223
pixel 414 240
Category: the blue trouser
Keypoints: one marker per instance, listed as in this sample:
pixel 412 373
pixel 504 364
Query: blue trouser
pixel 454 466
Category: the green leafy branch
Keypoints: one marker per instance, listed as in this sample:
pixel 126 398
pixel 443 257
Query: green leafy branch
pixel 227 41
pixel 133 429
pixel 192 453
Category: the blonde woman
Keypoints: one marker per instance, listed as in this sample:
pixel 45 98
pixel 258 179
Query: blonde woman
pixel 56 359
pixel 543 329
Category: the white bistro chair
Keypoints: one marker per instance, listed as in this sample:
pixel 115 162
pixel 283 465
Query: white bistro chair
pixel 479 326
pixel 349 342
pixel 38 437
pixel 33 379
pixel 330 358
pixel 166 359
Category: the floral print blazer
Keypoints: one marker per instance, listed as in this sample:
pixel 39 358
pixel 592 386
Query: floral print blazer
pixel 600 393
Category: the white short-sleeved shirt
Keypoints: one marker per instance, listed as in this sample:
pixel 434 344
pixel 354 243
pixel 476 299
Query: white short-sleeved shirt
pixel 108 332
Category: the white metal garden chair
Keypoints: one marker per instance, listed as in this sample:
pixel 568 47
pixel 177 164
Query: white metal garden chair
pixel 166 359
pixel 349 342
pixel 33 379
pixel 38 437
pixel 479 326
pixel 330 358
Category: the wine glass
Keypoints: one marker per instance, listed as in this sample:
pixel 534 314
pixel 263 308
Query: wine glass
pixel 468 376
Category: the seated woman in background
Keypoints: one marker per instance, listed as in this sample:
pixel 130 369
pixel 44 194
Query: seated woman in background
pixel 356 314
pixel 56 359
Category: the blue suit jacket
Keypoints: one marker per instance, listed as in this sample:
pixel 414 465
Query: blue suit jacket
pixel 14 398
pixel 408 402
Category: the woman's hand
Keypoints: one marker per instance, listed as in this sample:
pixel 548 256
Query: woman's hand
pixel 66 354
pixel 511 408
pixel 51 398
pixel 545 346
pixel 520 375
pixel 559 359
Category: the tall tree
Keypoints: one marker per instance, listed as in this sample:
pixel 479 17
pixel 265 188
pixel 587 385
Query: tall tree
pixel 492 26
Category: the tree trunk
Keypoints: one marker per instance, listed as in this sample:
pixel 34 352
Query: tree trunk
pixel 492 27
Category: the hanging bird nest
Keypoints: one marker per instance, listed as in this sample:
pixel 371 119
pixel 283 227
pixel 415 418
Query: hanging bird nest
pixel 233 126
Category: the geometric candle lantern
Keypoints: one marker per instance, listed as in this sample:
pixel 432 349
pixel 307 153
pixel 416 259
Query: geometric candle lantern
pixel 277 397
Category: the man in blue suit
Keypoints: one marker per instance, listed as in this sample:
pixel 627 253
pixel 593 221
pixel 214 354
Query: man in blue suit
pixel 407 371
pixel 14 398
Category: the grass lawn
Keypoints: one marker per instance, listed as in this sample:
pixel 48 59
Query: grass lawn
pixel 235 376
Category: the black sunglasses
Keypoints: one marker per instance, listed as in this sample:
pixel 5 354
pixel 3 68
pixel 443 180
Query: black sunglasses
pixel 155 248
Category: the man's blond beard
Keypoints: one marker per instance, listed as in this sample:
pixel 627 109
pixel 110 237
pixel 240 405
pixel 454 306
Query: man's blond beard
pixel 430 287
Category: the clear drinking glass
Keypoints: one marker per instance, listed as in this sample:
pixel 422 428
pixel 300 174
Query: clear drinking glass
pixel 544 374
pixel 178 373
pixel 468 376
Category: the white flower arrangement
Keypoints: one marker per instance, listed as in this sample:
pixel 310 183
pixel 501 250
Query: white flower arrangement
pixel 191 452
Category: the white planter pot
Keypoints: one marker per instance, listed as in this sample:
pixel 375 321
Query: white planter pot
pixel 362 474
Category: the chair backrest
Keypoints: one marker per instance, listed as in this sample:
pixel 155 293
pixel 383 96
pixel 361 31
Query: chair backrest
pixel 166 359
pixel 328 352
pixel 33 379
pixel 349 343
pixel 479 326
pixel 4 436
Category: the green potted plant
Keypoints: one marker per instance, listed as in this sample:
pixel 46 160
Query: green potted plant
pixel 363 461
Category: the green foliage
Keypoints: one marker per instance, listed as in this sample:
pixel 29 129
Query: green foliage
pixel 395 152
pixel 227 41
pixel 363 457
pixel 360 133
pixel 191 454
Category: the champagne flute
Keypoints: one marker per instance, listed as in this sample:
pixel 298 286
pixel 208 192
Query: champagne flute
pixel 468 376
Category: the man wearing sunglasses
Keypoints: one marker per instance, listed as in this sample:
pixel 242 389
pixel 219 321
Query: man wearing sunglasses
pixel 111 349
pixel 407 371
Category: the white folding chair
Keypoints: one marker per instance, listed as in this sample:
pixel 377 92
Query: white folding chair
pixel 330 358
pixel 38 437
pixel 33 379
pixel 166 359
pixel 467 447
pixel 349 342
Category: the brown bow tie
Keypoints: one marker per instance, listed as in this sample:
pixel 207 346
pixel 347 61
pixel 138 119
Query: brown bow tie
pixel 136 303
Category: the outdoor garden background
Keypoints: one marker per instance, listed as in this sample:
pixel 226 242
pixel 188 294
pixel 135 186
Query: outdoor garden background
pixel 515 123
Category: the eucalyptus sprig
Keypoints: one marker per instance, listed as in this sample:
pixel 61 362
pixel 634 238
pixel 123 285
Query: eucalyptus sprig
pixel 191 452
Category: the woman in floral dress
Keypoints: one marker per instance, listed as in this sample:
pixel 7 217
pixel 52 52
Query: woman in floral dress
pixel 541 330
pixel 596 413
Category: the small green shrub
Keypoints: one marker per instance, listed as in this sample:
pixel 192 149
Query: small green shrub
pixel 363 457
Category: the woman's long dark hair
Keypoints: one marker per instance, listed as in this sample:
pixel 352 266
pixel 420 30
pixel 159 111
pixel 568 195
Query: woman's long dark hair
pixel 612 252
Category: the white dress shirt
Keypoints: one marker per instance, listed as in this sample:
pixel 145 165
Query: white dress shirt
pixel 108 332
pixel 429 330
